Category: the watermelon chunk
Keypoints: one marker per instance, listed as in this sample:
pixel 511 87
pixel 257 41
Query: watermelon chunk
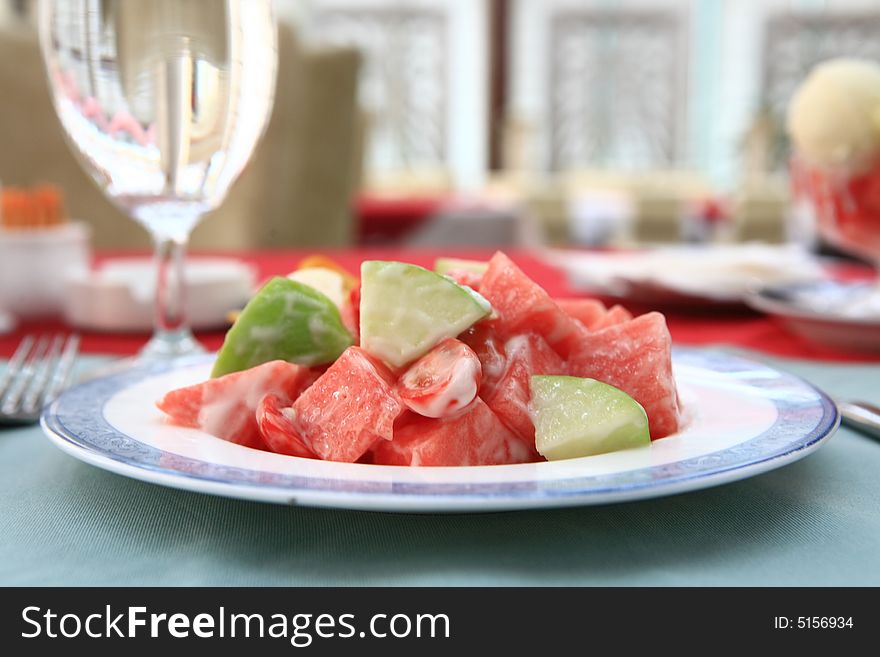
pixel 485 342
pixel 586 311
pixel 350 313
pixel 474 437
pixel 226 406
pixel 635 356
pixel 465 277
pixel 522 306
pixel 277 428
pixel 593 314
pixel 616 315
pixel 509 397
pixel 350 407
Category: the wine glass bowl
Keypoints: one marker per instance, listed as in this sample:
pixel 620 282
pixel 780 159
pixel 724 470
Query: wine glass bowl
pixel 163 101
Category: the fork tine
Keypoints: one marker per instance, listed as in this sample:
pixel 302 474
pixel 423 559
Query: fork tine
pixel 33 398
pixel 20 381
pixel 15 363
pixel 63 369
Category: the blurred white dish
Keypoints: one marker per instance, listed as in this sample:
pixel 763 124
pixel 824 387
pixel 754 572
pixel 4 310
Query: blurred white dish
pixel 845 315
pixel 687 275
pixel 119 296
pixel 34 264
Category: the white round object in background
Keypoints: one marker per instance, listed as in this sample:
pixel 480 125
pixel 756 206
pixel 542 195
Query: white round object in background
pixel 834 116
pixel 119 296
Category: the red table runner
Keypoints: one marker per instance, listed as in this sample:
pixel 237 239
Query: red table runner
pixel 741 328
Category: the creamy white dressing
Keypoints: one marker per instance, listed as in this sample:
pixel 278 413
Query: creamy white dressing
pixel 265 333
pixel 459 391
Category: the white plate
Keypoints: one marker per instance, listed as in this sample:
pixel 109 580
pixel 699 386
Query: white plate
pixel 845 315
pixel 685 276
pixel 743 418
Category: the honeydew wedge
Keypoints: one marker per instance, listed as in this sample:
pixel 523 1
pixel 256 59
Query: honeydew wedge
pixel 405 310
pixel 317 261
pixel 446 265
pixel 286 320
pixel 327 281
pixel 581 417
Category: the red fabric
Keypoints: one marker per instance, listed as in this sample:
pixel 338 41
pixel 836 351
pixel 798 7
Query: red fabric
pixel 742 328
pixel 391 217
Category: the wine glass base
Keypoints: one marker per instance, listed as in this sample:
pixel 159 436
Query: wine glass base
pixel 169 345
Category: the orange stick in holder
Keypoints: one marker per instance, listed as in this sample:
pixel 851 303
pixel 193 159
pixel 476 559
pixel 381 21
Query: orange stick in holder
pixel 38 207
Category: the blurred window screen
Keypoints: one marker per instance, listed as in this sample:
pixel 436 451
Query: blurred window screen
pixel 453 88
pixel 687 84
pixel 423 84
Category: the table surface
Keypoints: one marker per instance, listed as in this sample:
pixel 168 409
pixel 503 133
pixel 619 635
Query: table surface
pixel 811 523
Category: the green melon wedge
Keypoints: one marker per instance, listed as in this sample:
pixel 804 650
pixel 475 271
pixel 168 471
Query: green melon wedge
pixel 285 320
pixel 580 417
pixel 446 265
pixel 406 310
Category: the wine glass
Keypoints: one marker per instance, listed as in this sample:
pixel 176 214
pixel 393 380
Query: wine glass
pixel 164 101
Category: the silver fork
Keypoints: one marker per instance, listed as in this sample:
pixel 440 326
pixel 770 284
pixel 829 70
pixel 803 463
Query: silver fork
pixel 34 376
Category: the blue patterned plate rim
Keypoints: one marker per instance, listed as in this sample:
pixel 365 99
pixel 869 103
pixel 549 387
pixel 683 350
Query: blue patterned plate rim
pixel 75 422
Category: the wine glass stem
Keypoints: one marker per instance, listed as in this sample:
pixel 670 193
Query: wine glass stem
pixel 170 292
pixel 171 335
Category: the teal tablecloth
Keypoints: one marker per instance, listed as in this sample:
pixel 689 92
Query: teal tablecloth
pixel 816 522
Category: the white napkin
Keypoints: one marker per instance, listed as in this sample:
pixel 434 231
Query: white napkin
pixel 120 295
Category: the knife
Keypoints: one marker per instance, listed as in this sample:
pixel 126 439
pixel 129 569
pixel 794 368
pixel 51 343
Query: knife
pixel 861 416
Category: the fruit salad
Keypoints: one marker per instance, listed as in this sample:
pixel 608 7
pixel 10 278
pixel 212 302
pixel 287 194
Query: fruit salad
pixel 470 364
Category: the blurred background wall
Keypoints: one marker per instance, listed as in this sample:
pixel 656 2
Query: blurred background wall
pixel 575 114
